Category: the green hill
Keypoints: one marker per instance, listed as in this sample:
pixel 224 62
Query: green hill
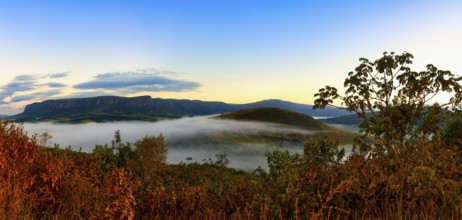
pixel 292 119
pixel 276 115
pixel 350 119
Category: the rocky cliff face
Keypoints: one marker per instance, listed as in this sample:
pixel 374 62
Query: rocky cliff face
pixel 114 105
pixel 86 105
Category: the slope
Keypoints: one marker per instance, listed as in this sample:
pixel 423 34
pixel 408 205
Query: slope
pixel 312 127
pixel 276 115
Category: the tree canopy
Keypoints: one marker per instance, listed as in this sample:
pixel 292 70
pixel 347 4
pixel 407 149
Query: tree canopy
pixel 396 103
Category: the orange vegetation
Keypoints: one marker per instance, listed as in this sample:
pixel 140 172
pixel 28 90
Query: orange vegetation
pixel 38 183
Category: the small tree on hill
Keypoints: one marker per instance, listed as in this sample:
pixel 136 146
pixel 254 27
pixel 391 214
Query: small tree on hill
pixel 396 104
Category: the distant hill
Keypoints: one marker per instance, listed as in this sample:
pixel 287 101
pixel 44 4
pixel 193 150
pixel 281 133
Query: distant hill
pixel 276 115
pixel 350 119
pixel 114 108
pixel 111 108
pixel 292 119
pixel 296 107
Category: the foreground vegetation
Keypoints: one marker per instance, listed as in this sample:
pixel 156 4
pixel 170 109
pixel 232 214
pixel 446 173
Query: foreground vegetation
pixel 412 170
pixel 50 183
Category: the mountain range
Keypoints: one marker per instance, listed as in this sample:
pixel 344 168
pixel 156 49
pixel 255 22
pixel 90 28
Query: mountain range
pixel 111 108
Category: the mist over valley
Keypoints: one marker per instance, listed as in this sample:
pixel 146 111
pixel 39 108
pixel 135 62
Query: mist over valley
pixel 196 138
pixel 194 130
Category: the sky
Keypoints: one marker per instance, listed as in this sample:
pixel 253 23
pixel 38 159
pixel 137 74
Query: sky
pixel 236 51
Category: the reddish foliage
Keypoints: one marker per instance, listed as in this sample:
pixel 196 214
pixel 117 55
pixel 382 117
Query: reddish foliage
pixel 60 184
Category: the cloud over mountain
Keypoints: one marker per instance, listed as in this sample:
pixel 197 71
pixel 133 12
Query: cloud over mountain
pixel 132 82
pixel 35 95
pixel 39 87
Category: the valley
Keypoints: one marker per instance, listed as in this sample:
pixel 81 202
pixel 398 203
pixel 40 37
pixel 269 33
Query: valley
pixel 246 135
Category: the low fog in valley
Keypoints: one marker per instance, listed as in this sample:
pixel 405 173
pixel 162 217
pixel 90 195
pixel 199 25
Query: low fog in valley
pixel 187 137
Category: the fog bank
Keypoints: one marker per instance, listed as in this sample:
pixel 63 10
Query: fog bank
pixel 186 137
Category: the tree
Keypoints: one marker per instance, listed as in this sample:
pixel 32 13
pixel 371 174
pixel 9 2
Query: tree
pixel 43 139
pixel 322 153
pixel 398 108
pixel 221 160
pixel 282 162
pixel 115 156
pixel 108 157
pixel 150 154
pixel 151 149
pixel 124 152
pixel 117 141
pixel 396 104
pixel 452 135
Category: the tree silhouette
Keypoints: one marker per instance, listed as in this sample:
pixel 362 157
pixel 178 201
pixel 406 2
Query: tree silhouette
pixel 396 104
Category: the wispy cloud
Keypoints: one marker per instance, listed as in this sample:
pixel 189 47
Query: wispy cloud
pixel 38 87
pixel 36 95
pixel 20 84
pixel 30 87
pixel 56 85
pixel 131 82
pixel 58 75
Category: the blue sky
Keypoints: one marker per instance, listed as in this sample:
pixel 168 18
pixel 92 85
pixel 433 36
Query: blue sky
pixel 233 51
